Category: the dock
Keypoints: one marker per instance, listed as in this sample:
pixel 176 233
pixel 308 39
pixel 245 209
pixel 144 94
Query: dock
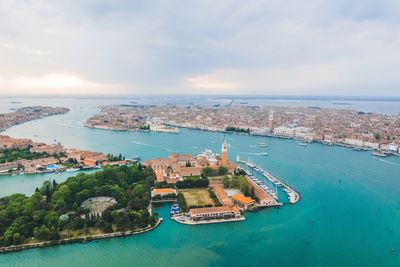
pixel 292 194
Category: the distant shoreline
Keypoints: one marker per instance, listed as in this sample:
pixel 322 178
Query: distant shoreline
pixel 252 134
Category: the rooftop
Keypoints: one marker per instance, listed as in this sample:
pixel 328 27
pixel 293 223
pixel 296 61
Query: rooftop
pixel 214 210
pixel 241 198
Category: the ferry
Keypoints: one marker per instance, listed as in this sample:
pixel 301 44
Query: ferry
pixel 379 154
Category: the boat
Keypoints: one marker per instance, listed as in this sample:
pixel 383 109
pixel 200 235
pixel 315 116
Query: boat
pixel 72 169
pixel 264 154
pixel 302 144
pixel 175 209
pixel 262 144
pixel 379 154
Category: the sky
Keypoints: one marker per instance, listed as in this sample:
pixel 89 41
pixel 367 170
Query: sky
pixel 267 47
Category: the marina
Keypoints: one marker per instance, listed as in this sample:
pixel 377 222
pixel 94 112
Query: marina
pixel 292 194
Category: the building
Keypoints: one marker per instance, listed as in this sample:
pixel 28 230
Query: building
pixel 5 167
pixel 49 149
pixel 162 191
pixel 243 202
pixel 221 194
pixel 177 166
pixel 97 205
pixel 292 131
pixel 87 158
pixel 264 199
pixel 32 166
pixel 8 142
pixel 212 213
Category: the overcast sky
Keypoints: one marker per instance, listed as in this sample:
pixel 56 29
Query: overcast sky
pixel 340 47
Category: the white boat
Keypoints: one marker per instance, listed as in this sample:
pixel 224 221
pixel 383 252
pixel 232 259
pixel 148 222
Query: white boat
pixel 72 170
pixel 302 144
pixel 264 154
pixel 379 154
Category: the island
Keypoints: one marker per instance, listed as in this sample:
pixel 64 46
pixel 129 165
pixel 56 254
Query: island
pixel 118 199
pixel 117 118
pixel 209 188
pixel 26 114
pixel 112 202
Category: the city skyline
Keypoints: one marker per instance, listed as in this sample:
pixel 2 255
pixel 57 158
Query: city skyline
pixel 257 48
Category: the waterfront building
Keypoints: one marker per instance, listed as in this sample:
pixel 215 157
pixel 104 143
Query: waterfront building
pixel 243 202
pixel 393 147
pixel 32 166
pixel 264 199
pixel 8 166
pixel 293 131
pixel 87 158
pixel 221 212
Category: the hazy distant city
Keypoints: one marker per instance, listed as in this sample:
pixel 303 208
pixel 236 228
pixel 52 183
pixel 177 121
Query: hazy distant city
pixel 327 125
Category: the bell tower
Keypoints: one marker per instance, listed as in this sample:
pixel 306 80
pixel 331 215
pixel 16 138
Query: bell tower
pixel 224 153
pixel 271 120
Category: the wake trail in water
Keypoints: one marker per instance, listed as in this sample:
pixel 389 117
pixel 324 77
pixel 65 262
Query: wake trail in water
pixel 250 153
pixel 150 145
pixel 390 162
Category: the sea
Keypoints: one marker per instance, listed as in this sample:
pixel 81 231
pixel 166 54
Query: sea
pixel 349 213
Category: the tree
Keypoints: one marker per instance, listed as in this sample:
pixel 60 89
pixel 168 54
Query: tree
pixel 225 180
pixel 208 172
pixel 23 217
pixel 18 239
pixel 138 190
pixel 222 170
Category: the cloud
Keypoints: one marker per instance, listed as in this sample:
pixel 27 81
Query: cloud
pixel 229 46
pixel 57 83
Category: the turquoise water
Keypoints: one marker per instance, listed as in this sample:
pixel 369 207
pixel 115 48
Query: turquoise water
pixel 355 222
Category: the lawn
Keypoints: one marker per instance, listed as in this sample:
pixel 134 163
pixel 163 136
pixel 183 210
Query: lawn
pixel 197 197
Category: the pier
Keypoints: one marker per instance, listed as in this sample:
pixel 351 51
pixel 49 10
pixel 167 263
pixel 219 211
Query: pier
pixel 293 196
